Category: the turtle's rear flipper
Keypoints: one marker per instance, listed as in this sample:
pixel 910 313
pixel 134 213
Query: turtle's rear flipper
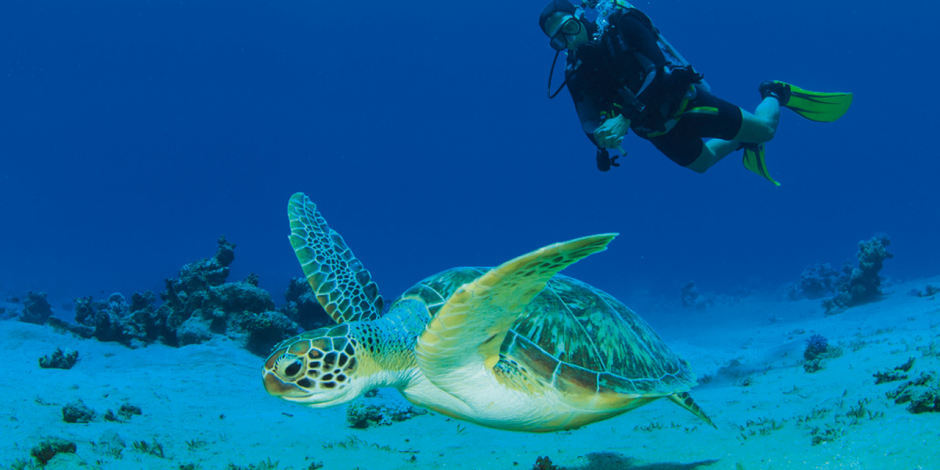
pixel 685 400
pixel 464 337
pixel 342 286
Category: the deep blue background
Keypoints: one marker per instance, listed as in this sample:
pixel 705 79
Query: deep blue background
pixel 133 134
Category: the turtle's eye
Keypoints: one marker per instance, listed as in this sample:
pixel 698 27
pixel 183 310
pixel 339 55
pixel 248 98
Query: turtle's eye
pixel 290 369
pixel 293 368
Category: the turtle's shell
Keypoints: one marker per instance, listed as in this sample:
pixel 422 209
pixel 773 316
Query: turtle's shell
pixel 588 338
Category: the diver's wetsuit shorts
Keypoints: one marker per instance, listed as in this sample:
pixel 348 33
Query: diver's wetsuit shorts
pixel 683 144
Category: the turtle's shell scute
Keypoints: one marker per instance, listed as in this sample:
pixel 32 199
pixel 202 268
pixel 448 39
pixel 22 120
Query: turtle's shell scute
pixel 597 341
pixel 435 290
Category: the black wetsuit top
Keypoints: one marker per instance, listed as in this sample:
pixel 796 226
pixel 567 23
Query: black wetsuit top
pixel 625 56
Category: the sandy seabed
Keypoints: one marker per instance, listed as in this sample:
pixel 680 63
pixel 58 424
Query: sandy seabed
pixel 205 403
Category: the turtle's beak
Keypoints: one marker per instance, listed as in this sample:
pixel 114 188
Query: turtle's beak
pixel 279 388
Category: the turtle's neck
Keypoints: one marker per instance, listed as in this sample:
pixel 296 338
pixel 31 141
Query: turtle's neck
pixel 395 336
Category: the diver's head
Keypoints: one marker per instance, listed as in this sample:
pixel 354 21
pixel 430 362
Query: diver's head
pixel 559 21
pixel 318 368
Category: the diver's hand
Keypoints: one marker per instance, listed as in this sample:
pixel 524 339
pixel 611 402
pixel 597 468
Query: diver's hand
pixel 610 134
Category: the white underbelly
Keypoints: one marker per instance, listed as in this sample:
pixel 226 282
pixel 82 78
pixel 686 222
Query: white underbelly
pixel 481 399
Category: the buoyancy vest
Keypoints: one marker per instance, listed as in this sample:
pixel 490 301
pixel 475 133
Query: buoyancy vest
pixel 621 80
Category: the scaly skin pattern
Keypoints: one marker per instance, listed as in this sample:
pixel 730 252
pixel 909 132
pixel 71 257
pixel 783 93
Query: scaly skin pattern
pixel 330 366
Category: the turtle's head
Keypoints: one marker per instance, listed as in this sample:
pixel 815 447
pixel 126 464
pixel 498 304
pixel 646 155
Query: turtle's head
pixel 318 368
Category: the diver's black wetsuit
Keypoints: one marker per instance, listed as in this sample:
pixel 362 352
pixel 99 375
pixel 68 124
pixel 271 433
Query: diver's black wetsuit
pixel 626 56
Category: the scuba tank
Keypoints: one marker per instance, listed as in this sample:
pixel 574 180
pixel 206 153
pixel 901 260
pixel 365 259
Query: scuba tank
pixel 605 8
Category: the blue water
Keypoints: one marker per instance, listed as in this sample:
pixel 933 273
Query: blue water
pixel 133 134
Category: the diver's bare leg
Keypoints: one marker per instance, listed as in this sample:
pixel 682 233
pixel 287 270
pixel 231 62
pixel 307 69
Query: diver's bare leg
pixel 755 128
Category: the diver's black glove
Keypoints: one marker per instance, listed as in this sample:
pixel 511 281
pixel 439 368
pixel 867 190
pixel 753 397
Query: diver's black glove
pixel 604 162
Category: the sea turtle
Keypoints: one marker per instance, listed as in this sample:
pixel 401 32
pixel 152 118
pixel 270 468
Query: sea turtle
pixel 516 347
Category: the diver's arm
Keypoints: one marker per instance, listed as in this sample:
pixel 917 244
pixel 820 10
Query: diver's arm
pixel 645 50
pixel 588 113
pixel 641 40
pixel 607 134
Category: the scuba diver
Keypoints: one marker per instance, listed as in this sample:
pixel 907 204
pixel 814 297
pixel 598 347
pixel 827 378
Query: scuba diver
pixel 622 74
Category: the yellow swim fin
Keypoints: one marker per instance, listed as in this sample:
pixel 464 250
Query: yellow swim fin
pixel 813 105
pixel 754 160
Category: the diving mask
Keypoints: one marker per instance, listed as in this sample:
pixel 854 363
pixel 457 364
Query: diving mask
pixel 571 26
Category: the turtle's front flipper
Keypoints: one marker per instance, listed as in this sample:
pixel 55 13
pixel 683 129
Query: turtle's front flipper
pixel 469 329
pixel 342 286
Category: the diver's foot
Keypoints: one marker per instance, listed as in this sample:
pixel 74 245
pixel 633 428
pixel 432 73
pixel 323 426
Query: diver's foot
pixel 775 89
